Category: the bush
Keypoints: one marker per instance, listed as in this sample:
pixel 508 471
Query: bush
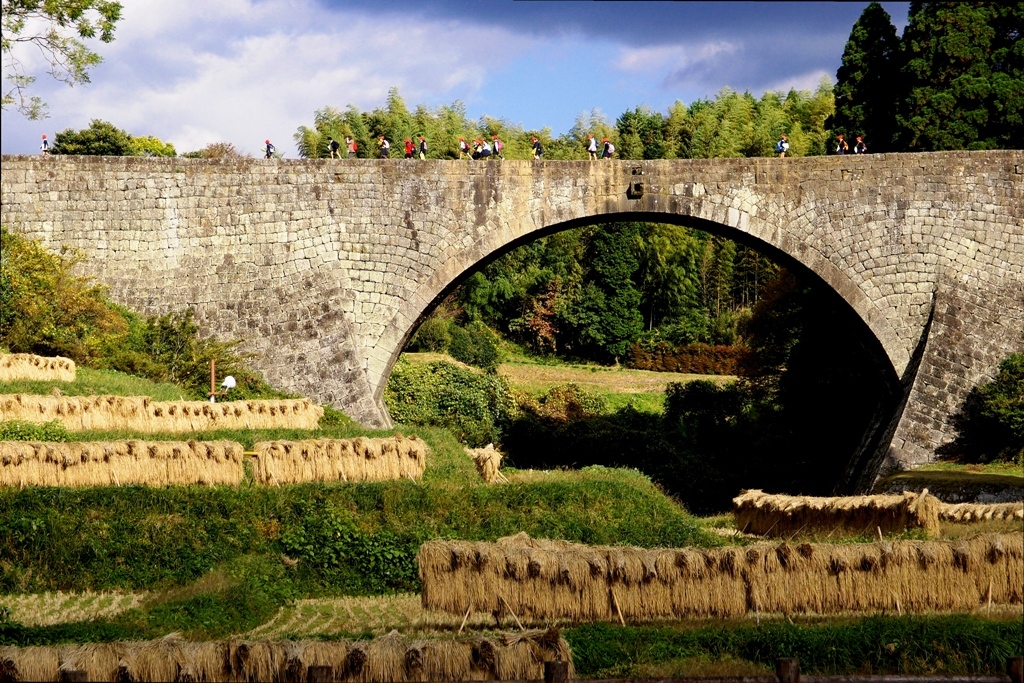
pixel 433 335
pixel 474 345
pixel 990 426
pixel 16 430
pixel 476 407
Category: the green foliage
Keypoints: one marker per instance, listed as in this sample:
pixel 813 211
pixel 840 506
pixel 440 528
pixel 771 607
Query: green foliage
pixel 56 28
pixel 475 344
pixel 867 79
pixel 99 139
pixel 433 335
pixel 330 541
pixel 149 146
pixel 47 309
pixel 16 430
pixel 962 77
pixel 990 425
pixel 877 645
pixel 475 407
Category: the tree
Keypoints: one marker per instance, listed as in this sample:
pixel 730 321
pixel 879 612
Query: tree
pixel 99 139
pixel 149 146
pixel 641 134
pixel 963 73
pixel 217 150
pixel 867 79
pixel 56 28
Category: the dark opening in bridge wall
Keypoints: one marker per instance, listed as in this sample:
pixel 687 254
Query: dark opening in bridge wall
pixel 809 414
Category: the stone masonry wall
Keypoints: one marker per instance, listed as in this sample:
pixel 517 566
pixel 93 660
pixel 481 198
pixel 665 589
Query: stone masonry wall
pixel 325 266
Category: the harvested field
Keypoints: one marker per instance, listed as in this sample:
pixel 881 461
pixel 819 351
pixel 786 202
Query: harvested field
pixel 511 656
pixel 120 463
pixel 763 514
pixel 349 460
pixel 32 368
pixel 966 513
pixel 45 609
pixel 542 579
pixel 142 414
pixel 377 614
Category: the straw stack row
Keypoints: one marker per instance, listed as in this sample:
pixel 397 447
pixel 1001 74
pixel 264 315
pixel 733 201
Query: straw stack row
pixel 33 368
pixel 757 512
pixel 977 512
pixel 543 580
pixel 349 460
pixel 120 463
pixel 167 463
pixel 518 656
pixel 143 414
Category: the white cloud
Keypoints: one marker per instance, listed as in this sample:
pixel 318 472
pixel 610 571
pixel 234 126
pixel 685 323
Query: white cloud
pixel 805 81
pixel 673 58
pixel 195 72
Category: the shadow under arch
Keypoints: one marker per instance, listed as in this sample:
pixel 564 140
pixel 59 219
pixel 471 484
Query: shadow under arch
pixel 888 359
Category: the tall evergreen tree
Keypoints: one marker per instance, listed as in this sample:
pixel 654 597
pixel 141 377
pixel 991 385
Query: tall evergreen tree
pixel 963 74
pixel 864 90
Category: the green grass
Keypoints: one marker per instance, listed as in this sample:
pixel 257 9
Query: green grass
pixel 90 382
pixel 957 644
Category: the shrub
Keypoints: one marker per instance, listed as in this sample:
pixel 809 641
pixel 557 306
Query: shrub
pixel 17 430
pixel 990 424
pixel 433 335
pixel 476 407
pixel 474 345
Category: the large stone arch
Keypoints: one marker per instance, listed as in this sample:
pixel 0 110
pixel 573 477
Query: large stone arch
pixel 464 262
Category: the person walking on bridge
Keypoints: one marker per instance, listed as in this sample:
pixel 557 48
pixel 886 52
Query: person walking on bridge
pixel 609 149
pixel 44 148
pixel 269 151
pixel 591 146
pixel 385 147
pixel 333 147
pixel 538 150
pixel 423 147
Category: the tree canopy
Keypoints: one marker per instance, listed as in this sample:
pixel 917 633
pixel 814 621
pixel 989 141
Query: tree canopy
pixel 57 28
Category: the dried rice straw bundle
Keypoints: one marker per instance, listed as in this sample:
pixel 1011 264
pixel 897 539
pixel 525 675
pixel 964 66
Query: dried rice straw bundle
pixel 759 513
pixel 488 463
pixel 120 463
pixel 541 580
pixel 976 512
pixel 390 658
pixel 32 368
pixel 142 414
pixel 347 460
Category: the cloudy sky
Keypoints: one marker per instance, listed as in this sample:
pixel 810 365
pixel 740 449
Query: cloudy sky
pixel 192 72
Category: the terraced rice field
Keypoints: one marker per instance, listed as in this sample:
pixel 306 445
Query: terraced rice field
pixel 375 615
pixel 46 609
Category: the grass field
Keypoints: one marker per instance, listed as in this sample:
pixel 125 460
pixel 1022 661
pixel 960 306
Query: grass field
pixel 619 386
pixel 90 382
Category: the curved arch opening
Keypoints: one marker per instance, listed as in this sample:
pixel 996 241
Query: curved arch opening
pixel 848 319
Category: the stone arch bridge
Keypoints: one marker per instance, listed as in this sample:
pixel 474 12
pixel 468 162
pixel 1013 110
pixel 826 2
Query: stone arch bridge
pixel 325 267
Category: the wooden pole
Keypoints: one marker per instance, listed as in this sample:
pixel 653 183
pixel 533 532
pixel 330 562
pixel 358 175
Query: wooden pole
pixel 788 670
pixel 556 672
pixel 509 608
pixel 213 380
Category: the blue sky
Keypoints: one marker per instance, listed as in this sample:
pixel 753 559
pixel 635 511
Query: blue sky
pixel 192 72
